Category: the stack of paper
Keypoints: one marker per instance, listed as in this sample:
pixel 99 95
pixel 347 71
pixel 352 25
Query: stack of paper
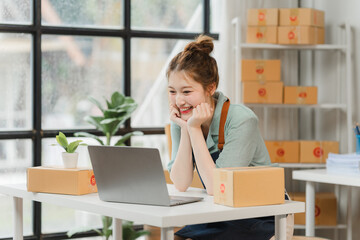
pixel 343 163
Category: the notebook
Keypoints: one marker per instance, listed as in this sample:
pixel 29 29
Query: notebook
pixel 132 175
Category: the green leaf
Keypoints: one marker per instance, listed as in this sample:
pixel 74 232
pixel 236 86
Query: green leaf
pixel 89 135
pixel 95 121
pixel 109 105
pixel 117 99
pixel 108 120
pixel 141 233
pixel 61 139
pixel 97 103
pixel 73 146
pixel 121 141
pixel 107 222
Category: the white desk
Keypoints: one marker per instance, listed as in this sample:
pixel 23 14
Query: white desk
pixel 164 217
pixel 321 176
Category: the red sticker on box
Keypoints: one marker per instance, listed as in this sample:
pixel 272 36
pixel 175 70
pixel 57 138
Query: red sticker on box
pixel 317 210
pixel 291 35
pixel 293 18
pixel 302 95
pixel 280 152
pixel 262 92
pixel 92 180
pixel 318 152
pixel 259 35
pixel 222 188
pixel 261 16
pixel 259 70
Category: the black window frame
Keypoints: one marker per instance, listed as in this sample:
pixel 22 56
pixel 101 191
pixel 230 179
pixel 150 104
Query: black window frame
pixel 36 30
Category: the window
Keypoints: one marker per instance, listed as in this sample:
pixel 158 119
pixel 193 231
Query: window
pixel 55 54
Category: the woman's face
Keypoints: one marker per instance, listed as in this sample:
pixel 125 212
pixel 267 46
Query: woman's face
pixel 185 93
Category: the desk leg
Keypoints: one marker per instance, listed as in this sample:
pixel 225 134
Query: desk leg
pixel 310 209
pixel 18 218
pixel 280 227
pixel 167 233
pixel 349 216
pixel 117 229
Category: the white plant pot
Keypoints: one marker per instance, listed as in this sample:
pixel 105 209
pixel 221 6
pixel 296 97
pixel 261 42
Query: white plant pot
pixel 70 159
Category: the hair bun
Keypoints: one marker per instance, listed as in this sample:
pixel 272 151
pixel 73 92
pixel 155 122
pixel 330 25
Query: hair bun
pixel 201 44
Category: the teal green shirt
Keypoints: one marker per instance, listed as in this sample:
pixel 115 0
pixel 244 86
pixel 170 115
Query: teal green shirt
pixel 243 146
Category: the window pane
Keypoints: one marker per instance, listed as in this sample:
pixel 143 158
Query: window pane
pixel 215 15
pixel 149 61
pixel 176 15
pixel 15 11
pixel 84 13
pixel 15 81
pixel 59 219
pixel 74 68
pixel 154 141
pixel 15 158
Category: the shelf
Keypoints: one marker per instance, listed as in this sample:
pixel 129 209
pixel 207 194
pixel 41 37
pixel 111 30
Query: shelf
pixel 292 47
pixel 302 165
pixel 317 106
pixel 339 226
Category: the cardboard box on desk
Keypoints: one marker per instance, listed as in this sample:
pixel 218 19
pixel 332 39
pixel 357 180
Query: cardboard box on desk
pixel 283 151
pixel 317 151
pixel 269 92
pixel 263 17
pixel 325 208
pixel 301 17
pixel 260 70
pixel 300 35
pixel 248 186
pixel 60 180
pixel 261 34
pixel 300 95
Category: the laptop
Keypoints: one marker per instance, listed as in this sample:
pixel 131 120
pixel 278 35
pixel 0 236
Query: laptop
pixel 132 175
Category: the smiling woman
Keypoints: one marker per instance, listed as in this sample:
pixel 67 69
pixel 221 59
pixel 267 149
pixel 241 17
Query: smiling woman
pixel 195 112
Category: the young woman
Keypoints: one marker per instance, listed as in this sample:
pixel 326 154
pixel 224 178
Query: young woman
pixel 195 110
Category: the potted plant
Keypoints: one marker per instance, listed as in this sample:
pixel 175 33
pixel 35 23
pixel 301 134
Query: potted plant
pixel 70 157
pixel 118 109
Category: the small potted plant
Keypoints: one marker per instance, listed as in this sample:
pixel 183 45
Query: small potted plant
pixel 70 157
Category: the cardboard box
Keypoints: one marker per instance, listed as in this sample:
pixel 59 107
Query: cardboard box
pixel 60 180
pixel 283 151
pixel 263 17
pixel 300 95
pixel 317 151
pixel 269 92
pixel 301 35
pixel 248 186
pixel 261 34
pixel 301 17
pixel 260 70
pixel 325 209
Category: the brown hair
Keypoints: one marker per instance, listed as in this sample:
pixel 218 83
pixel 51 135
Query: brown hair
pixel 196 61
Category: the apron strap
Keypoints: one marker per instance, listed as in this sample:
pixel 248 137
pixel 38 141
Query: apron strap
pixel 224 112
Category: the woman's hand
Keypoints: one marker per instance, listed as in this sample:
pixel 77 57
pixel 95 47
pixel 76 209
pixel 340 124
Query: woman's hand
pixel 200 114
pixel 176 117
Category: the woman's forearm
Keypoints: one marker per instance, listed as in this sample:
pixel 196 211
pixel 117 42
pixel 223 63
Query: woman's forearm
pixel 182 170
pixel 204 161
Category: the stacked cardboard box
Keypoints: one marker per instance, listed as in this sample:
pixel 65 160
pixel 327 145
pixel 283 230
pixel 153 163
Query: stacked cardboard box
pixel 301 151
pixel 325 208
pixel 286 26
pixel 261 81
pixel 301 26
pixel 300 95
pixel 262 25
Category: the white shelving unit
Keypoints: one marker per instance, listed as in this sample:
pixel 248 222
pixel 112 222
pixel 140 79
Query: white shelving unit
pixel 344 107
